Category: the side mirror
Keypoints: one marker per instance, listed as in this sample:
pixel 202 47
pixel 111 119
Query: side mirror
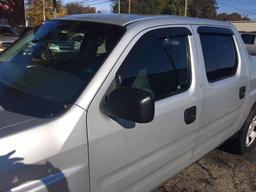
pixel 130 104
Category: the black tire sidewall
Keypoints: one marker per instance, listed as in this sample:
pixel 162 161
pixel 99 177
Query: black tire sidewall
pixel 244 131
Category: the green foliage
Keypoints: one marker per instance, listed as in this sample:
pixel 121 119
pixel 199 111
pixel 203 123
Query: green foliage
pixel 196 8
pixel 35 11
pixel 174 7
pixel 77 8
pixel 152 7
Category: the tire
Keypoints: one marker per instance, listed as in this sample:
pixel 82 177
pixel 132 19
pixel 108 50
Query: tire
pixel 245 140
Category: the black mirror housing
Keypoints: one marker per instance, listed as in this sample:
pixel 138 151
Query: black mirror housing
pixel 130 104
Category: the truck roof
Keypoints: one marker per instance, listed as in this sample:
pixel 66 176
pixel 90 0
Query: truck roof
pixel 125 19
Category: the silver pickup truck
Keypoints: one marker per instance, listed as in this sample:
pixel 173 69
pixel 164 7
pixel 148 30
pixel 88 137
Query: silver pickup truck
pixel 139 100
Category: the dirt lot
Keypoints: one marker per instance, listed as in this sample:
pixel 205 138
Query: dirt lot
pixel 217 172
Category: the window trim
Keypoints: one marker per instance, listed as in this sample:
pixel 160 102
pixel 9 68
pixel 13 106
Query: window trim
pixel 218 31
pixel 182 31
pixel 214 30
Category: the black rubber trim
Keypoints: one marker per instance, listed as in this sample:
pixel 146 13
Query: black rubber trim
pixel 167 32
pixel 214 30
pixel 176 31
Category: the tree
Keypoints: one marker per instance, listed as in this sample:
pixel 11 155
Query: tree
pixel 203 8
pixel 35 11
pixel 196 8
pixel 173 7
pixel 232 17
pixel 77 8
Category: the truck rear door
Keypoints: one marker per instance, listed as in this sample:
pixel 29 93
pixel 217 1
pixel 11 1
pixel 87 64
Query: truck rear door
pixel 225 83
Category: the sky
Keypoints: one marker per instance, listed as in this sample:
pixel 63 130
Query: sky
pixel 244 7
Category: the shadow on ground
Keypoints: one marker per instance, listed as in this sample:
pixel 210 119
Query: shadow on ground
pixel 217 172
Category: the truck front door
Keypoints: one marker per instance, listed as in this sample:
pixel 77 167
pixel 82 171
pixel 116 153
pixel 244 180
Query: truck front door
pixel 128 156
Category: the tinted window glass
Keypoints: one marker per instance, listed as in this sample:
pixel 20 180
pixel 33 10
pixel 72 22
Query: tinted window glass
pixel 45 71
pixel 158 64
pixel 220 56
pixel 248 38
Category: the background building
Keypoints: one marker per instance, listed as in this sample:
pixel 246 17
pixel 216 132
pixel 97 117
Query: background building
pixel 12 12
pixel 246 26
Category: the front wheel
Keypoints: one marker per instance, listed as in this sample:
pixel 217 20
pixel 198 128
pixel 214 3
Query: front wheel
pixel 251 133
pixel 245 140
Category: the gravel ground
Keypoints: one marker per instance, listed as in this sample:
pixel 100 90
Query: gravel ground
pixel 217 172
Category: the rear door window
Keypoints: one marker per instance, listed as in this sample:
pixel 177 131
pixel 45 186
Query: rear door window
pixel 219 52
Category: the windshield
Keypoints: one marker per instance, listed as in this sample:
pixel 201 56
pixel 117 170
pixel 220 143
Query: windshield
pixel 45 71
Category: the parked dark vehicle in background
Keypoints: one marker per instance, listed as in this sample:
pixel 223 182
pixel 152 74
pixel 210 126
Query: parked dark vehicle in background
pixel 59 45
pixel 68 46
pixel 250 42
pixel 249 38
pixel 7 36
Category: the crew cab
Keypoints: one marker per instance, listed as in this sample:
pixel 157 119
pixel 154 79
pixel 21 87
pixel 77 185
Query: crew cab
pixel 141 98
